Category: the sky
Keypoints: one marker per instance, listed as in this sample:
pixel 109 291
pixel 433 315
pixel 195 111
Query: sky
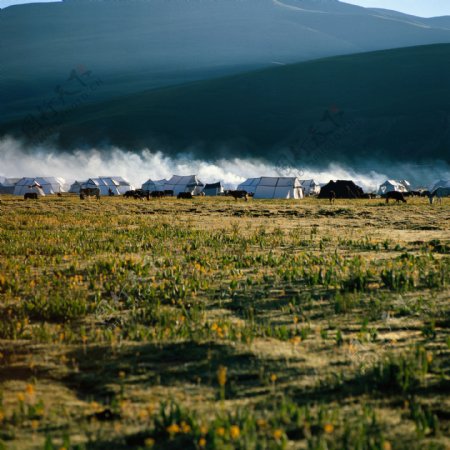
pixel 423 8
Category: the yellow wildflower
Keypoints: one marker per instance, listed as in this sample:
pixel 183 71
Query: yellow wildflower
pixel 328 428
pixel 30 389
pixel 235 432
pixel 202 442
pixel 220 431
pixel 173 429
pixel 277 434
pixel 222 375
pixel 149 442
pixel 185 427
pixel 261 423
pixel 387 445
pixel 273 378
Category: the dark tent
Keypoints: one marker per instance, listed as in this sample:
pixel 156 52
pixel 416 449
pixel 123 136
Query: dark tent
pixel 342 189
pixel 213 188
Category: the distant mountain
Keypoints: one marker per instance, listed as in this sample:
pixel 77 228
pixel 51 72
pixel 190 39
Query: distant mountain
pixel 389 105
pixel 142 44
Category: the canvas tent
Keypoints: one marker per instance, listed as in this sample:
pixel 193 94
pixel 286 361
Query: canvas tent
pixel 273 187
pixel 393 186
pixel 48 185
pixel 115 185
pixel 7 185
pixel 342 189
pixel 279 187
pixel 76 186
pixel 152 186
pixel 439 184
pixel 213 189
pixel 124 185
pixel 189 183
pixel 249 185
pixel 310 187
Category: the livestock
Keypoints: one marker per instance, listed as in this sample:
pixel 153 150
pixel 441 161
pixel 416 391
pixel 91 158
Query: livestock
pixel 332 197
pixel 394 195
pixel 89 192
pixel 238 194
pixel 30 196
pixel 185 195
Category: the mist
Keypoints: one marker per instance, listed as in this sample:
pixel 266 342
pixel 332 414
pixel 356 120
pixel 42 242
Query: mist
pixel 18 160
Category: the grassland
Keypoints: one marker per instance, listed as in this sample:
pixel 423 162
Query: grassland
pixel 224 325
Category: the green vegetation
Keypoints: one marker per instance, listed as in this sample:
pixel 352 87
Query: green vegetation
pixel 223 325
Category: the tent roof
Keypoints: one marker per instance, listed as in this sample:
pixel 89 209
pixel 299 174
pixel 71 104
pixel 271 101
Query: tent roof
pixel 310 182
pixel 438 184
pixel 213 185
pixel 186 180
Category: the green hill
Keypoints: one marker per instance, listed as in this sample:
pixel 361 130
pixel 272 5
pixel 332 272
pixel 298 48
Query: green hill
pixel 391 104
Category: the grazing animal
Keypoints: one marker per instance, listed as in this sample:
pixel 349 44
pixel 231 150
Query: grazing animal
pixel 138 194
pixel 397 196
pixel 438 193
pixel 332 197
pixel 185 195
pixel 89 192
pixel 30 196
pixel 59 194
pixel 157 194
pixel 238 194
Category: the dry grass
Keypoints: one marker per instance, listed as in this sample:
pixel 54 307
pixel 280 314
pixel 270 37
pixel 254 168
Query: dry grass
pixel 331 320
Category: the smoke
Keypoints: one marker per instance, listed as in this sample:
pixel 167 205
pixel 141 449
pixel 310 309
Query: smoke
pixel 16 160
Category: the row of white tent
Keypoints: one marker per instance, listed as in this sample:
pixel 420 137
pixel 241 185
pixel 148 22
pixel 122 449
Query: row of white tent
pixel 405 186
pixel 261 187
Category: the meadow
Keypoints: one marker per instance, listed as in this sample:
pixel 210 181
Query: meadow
pixel 215 324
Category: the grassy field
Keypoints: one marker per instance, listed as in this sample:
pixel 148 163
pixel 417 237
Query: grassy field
pixel 224 325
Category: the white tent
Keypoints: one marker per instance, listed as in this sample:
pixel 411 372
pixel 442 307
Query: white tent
pixel 391 186
pixel 249 185
pixel 310 187
pixel 407 184
pixel 7 185
pixel 76 186
pixel 439 184
pixel 48 185
pixel 152 186
pixel 212 189
pixel 115 185
pixel 188 183
pixel 124 185
pixel 279 187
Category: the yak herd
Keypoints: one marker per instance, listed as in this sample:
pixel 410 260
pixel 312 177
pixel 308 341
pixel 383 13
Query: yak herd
pixel 141 194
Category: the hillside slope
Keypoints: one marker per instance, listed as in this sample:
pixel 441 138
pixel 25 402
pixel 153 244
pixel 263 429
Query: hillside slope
pixel 141 44
pixel 390 104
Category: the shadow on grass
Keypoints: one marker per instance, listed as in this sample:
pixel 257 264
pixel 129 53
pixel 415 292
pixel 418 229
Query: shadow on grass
pixel 175 364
